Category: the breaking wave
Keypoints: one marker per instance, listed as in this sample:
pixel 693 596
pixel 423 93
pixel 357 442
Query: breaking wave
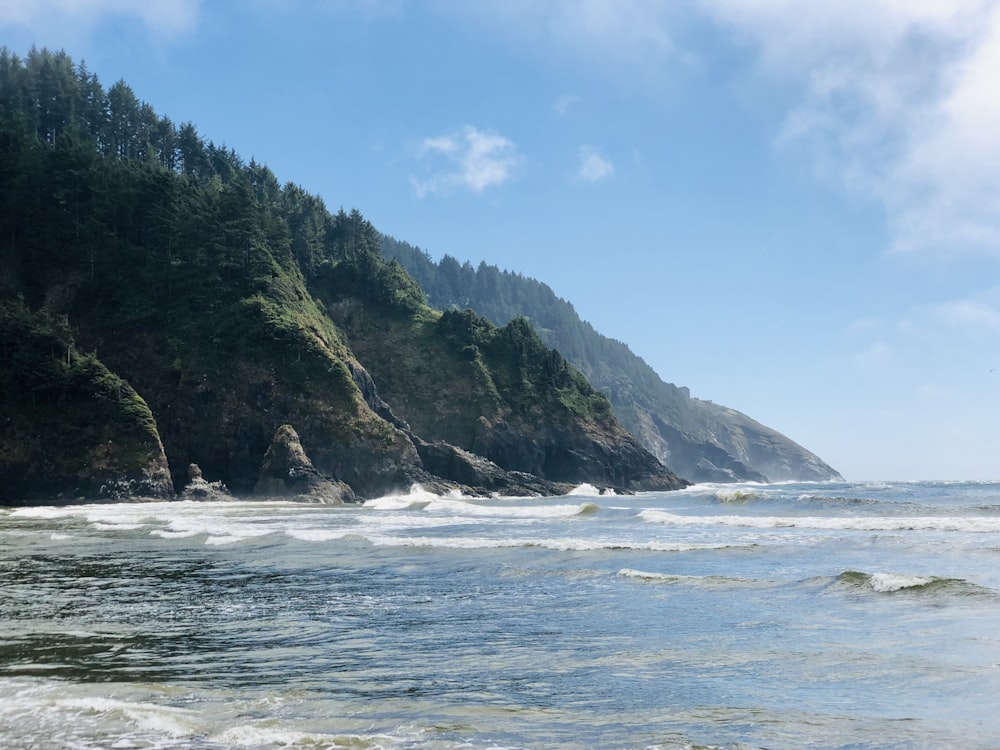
pixel 888 583
pixel 559 545
pixel 837 523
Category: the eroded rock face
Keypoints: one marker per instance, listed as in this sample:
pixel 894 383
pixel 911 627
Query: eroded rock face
pixel 288 472
pixel 476 475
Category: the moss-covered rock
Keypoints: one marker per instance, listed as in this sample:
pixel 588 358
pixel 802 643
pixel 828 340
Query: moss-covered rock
pixel 495 392
pixel 69 427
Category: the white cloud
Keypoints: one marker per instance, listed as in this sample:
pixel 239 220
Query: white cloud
pixel 898 101
pixel 969 316
pixel 471 159
pixel 166 17
pixel 593 166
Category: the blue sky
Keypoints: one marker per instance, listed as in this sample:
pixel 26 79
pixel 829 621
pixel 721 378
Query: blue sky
pixel 791 207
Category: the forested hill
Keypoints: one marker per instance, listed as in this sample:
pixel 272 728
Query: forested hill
pixel 171 315
pixel 701 440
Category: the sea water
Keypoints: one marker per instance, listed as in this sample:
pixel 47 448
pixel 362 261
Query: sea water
pixel 830 615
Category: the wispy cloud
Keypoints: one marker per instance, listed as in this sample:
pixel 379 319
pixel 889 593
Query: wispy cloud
pixel 165 17
pixel 562 105
pixel 969 316
pixel 593 166
pixel 470 159
pixel 897 101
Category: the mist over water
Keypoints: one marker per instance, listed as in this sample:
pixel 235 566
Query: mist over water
pixel 748 616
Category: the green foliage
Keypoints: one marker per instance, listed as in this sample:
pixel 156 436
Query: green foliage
pixel 212 288
pixel 503 296
pixel 64 405
pixel 188 270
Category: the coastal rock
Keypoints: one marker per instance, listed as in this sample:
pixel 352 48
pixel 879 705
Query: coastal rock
pixel 198 488
pixel 476 475
pixel 600 454
pixel 70 429
pixel 288 472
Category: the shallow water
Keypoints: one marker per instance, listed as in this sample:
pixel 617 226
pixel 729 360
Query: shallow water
pixel 776 616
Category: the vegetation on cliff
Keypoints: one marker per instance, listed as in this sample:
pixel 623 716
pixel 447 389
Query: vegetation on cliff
pixel 216 292
pixel 70 427
pixel 700 440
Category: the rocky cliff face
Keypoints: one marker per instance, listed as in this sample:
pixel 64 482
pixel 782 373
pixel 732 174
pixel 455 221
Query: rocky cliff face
pixel 697 439
pixel 171 322
pixel 69 427
pixel 508 399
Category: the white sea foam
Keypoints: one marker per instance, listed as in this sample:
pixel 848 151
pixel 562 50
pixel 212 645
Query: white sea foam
pixel 415 498
pixel 397 502
pixel 148 717
pixel 319 535
pixel 558 545
pixel 887 582
pixel 511 511
pixel 101 526
pixel 588 490
pixel 262 736
pixel 44 511
pixel 631 573
pixel 438 505
pixel 975 524
pixel 164 534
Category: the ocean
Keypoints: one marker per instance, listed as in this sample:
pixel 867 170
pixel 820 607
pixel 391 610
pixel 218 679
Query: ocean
pixel 833 615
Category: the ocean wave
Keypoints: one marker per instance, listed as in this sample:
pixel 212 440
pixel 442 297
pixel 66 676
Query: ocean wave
pixel 588 490
pixel 558 545
pixel 397 502
pixel 37 710
pixel 836 500
pixel 833 523
pixel 260 736
pixel 147 717
pixel 700 581
pixel 735 497
pixel 462 508
pixel 888 583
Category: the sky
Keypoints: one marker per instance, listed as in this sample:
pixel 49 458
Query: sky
pixel 790 207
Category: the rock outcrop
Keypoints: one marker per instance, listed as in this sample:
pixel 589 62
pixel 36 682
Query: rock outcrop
pixel 199 488
pixel 478 476
pixel 70 429
pixel 287 472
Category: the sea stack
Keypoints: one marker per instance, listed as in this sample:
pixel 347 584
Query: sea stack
pixel 288 472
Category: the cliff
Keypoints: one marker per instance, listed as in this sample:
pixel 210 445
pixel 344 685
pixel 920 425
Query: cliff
pixel 219 306
pixel 69 428
pixel 700 440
